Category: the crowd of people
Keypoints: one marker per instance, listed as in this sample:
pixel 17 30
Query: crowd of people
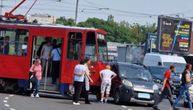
pixel 48 51
pixel 82 80
pixel 82 77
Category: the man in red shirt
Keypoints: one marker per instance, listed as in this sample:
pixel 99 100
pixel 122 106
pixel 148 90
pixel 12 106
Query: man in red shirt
pixel 166 88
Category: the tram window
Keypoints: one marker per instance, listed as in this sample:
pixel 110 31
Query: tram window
pixel 102 50
pixel 90 50
pixel 74 45
pixel 13 42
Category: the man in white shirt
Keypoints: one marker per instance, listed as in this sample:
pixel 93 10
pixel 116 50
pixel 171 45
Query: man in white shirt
pixel 106 75
pixel 80 71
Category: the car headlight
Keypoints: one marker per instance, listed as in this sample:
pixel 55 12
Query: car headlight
pixel 127 83
pixel 157 81
pixel 155 87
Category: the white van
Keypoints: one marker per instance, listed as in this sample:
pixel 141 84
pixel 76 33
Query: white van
pixel 156 59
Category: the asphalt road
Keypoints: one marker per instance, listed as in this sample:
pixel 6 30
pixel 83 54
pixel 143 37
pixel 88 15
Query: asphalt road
pixel 19 102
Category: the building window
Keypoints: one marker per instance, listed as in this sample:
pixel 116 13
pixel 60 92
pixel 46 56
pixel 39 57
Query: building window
pixel 13 42
pixel 74 45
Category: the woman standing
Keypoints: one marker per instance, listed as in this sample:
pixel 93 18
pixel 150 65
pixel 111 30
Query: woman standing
pixel 87 80
pixel 36 69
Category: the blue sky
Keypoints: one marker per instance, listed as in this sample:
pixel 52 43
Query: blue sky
pixel 132 11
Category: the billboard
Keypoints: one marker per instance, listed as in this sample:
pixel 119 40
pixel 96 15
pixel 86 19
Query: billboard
pixel 174 34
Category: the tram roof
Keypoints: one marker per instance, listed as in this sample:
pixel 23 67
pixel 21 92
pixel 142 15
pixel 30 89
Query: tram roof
pixel 47 26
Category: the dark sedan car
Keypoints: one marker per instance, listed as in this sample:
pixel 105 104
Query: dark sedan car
pixel 133 83
pixel 158 76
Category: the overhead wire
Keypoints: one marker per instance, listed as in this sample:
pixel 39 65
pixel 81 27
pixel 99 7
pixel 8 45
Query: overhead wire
pixel 90 7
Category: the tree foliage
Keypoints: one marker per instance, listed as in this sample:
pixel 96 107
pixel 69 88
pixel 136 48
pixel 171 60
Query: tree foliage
pixel 117 31
pixel 64 21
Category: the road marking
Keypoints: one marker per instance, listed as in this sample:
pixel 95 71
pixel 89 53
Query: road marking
pixel 11 95
pixel 123 106
pixel 5 101
pixel 7 105
pixel 6 98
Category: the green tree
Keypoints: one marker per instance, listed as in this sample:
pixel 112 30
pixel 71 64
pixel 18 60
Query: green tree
pixel 64 21
pixel 116 32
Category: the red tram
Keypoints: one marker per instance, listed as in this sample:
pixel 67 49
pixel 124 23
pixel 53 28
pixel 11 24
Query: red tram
pixel 24 41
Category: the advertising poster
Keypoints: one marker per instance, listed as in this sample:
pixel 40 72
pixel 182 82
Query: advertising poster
pixel 174 34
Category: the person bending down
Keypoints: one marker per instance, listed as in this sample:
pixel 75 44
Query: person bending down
pixel 106 76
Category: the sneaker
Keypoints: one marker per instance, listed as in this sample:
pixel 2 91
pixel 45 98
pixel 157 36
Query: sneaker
pixel 32 95
pixel 74 103
pixel 101 102
pixel 37 95
pixel 105 101
pixel 87 103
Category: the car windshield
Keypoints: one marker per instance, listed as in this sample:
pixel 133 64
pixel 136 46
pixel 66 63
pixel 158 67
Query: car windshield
pixel 157 70
pixel 178 66
pixel 131 72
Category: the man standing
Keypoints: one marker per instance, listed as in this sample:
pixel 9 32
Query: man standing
pixel 45 56
pixel 186 83
pixel 56 56
pixel 106 75
pixel 79 75
pixel 5 46
pixel 166 88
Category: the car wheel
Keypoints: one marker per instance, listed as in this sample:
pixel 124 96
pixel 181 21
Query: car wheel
pixel 150 105
pixel 117 97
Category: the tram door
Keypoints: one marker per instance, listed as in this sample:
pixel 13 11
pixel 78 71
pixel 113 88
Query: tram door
pixel 48 49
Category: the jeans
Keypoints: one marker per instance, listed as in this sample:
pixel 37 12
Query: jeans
pixel 36 87
pixel 183 91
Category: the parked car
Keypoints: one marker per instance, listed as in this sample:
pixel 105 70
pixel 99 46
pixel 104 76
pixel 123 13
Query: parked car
pixel 158 76
pixel 133 83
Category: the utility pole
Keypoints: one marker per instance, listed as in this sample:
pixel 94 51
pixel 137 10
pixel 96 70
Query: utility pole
pixel 1 11
pixel 76 13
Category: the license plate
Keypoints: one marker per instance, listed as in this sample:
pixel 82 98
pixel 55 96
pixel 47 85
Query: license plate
pixel 144 95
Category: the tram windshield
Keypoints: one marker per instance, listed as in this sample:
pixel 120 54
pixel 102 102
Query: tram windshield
pixel 102 50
